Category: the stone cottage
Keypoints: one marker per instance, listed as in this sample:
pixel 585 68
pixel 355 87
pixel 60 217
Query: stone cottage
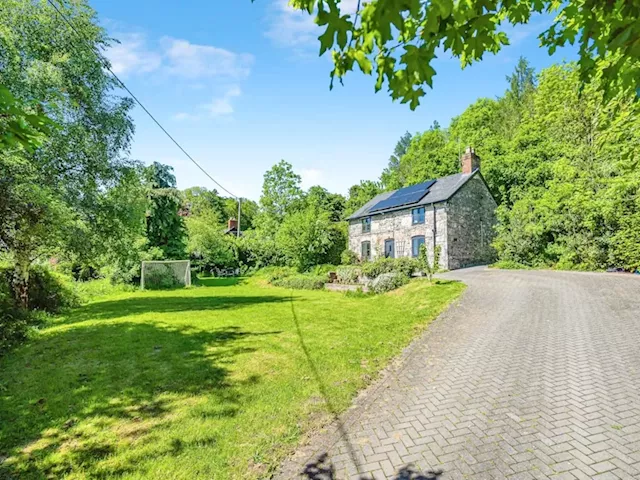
pixel 455 213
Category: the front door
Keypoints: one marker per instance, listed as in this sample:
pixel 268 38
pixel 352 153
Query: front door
pixel 389 248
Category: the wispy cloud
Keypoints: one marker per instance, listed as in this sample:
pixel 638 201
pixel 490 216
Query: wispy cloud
pixel 219 106
pixel 131 55
pixel 197 61
pixel 222 105
pixel 175 57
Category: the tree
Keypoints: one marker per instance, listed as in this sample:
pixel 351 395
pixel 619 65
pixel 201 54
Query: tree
pixel 281 195
pixel 429 156
pixel 249 211
pixel 306 238
pixel 165 226
pixel 198 201
pixel 391 177
pixel 21 125
pixel 209 246
pixel 55 186
pixel 360 194
pixel 332 203
pixel 518 99
pixel 398 40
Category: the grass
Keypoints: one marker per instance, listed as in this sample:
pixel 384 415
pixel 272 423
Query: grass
pixel 216 381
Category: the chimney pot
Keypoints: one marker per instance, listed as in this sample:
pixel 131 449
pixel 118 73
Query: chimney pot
pixel 232 224
pixel 470 161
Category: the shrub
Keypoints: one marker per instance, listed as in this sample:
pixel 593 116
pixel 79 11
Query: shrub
pixel 387 282
pixel 403 265
pixel 14 322
pixel 301 282
pixel 510 265
pixel 348 275
pixel 87 291
pixel 272 274
pixel 322 270
pixel 349 257
pixel 50 291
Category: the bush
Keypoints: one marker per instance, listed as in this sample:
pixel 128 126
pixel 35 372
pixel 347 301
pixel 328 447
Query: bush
pixel 348 275
pixel 349 257
pixel 510 265
pixel 387 282
pixel 272 274
pixel 322 270
pixel 404 265
pixel 14 322
pixel 87 291
pixel 50 291
pixel 301 282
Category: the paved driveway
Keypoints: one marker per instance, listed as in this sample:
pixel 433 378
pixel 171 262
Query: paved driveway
pixel 531 374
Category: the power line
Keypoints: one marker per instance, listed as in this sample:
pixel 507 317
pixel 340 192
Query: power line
pixel 122 84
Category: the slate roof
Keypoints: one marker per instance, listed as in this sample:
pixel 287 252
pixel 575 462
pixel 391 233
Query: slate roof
pixel 442 190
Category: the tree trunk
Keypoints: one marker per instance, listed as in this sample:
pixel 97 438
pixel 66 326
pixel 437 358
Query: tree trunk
pixel 21 283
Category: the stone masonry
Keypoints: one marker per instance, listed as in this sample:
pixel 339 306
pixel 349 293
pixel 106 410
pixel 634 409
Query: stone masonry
pixel 397 226
pixel 464 227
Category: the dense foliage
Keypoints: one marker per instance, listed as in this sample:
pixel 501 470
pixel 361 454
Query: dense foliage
pixel 562 163
pixel 57 199
pixel 398 41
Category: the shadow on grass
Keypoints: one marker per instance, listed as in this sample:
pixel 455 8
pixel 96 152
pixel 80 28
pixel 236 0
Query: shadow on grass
pixel 63 397
pixel 164 304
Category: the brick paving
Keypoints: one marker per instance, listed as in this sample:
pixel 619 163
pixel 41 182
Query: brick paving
pixel 530 375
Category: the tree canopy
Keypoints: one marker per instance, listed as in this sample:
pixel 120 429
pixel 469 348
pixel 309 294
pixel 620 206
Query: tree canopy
pixel 563 166
pixel 398 40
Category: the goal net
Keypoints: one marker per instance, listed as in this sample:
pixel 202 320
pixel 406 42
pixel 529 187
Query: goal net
pixel 165 274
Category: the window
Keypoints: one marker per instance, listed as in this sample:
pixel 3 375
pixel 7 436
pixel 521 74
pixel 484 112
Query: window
pixel 389 248
pixel 417 215
pixel 366 225
pixel 415 245
pixel 366 250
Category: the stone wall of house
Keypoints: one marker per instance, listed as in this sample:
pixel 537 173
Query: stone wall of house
pixel 471 220
pixel 397 226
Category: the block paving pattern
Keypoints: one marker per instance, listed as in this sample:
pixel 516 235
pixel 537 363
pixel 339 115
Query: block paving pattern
pixel 530 375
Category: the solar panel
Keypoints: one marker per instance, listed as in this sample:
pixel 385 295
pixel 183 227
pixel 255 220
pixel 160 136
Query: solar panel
pixel 404 196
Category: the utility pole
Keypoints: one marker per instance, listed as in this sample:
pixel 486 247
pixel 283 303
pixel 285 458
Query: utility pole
pixel 238 227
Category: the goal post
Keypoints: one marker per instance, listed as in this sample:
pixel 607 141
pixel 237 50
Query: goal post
pixel 165 274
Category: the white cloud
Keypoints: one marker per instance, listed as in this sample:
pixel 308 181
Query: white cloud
pixel 197 61
pixel 290 27
pixel 181 116
pixel 131 55
pixel 311 177
pixel 222 105
pixel 175 57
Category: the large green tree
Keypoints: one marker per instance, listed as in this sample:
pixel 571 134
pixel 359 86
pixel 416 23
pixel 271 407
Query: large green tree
pixel 281 195
pixel 398 40
pixel 56 187
pixel 165 225
pixel 391 177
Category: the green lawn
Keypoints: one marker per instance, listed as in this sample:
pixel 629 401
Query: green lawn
pixel 215 381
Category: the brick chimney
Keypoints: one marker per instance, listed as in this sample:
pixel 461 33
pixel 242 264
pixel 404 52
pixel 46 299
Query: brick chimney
pixel 232 224
pixel 470 161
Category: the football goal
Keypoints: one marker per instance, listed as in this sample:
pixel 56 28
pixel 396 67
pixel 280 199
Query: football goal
pixel 165 274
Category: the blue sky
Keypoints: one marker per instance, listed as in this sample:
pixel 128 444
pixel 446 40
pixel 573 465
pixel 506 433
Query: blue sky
pixel 240 85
